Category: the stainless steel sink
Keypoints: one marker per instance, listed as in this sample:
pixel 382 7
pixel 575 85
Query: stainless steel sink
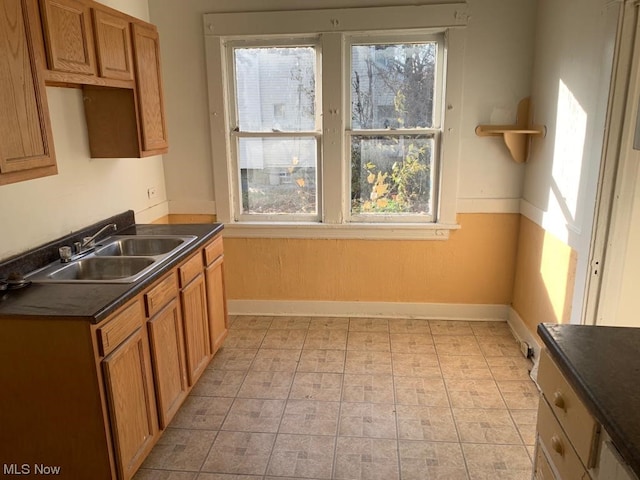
pixel 116 259
pixel 101 269
pixel 134 246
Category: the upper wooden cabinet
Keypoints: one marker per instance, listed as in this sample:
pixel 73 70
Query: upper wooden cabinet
pixel 68 36
pixel 116 59
pixel 26 140
pixel 149 87
pixel 114 56
pixel 86 44
pixel 113 45
pixel 130 123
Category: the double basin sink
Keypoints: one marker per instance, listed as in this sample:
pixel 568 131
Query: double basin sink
pixel 117 259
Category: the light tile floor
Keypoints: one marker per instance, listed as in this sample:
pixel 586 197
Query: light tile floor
pixel 321 398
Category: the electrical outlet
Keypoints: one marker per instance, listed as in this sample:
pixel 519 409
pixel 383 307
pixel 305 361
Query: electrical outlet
pixel 526 350
pixel 152 192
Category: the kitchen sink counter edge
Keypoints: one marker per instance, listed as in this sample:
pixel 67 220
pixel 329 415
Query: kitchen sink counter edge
pixel 603 366
pixel 96 301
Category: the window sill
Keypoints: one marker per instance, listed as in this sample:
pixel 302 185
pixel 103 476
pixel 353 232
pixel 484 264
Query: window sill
pixel 362 231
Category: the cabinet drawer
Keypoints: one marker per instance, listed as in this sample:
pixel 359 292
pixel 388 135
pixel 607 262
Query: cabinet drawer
pixel 557 446
pixel 572 414
pixel 190 269
pixel 123 324
pixel 161 294
pixel 213 251
pixel 542 470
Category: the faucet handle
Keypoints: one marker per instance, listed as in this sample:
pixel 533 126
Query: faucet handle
pixel 65 254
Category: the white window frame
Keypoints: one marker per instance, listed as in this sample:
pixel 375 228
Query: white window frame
pixel 236 134
pixel 334 27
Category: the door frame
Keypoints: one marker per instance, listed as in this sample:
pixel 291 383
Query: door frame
pixel 617 174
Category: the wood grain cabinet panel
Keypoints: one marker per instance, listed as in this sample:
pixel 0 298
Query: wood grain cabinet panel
pixel 118 329
pixel 146 44
pixel 68 36
pixel 190 269
pixel 113 45
pixel 196 327
pixel 168 358
pixel 26 139
pixel 129 386
pixel 216 303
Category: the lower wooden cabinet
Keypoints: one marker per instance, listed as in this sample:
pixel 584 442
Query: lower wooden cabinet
pixel 168 358
pixel 567 433
pixel 196 327
pixel 93 399
pixel 216 303
pixel 542 470
pixel 132 404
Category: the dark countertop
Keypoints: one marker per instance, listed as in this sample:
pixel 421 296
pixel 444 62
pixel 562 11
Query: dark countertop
pixel 603 366
pixel 95 302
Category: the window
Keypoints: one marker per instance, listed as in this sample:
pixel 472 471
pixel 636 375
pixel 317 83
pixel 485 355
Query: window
pixel 395 129
pixel 339 134
pixel 275 140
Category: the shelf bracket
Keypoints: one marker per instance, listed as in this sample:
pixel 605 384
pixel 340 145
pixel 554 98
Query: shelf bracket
pixel 516 137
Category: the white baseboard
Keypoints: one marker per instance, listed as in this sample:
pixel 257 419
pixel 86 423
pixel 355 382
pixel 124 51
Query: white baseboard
pixel 441 311
pixel 523 334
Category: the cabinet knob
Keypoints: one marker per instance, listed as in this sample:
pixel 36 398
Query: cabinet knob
pixel 557 446
pixel 558 400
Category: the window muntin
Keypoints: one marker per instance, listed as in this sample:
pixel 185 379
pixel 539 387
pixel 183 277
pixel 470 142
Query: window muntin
pixel 395 98
pixel 275 142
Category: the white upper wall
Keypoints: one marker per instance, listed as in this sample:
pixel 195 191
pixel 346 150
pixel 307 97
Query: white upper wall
pixel 574 48
pixel 498 59
pixel 85 190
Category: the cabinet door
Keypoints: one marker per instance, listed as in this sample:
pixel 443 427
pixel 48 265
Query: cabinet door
pixel 149 88
pixel 196 327
pixel 68 36
pixel 217 304
pixel 168 358
pixel 129 387
pixel 541 468
pixel 26 141
pixel 113 45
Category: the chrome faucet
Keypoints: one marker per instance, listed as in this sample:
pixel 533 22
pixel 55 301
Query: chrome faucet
pixel 87 242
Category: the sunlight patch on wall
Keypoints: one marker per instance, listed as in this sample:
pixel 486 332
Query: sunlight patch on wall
pixel 557 270
pixel 570 135
pixel 545 277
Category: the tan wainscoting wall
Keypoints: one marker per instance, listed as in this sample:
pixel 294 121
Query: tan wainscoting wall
pixel 545 277
pixel 476 265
